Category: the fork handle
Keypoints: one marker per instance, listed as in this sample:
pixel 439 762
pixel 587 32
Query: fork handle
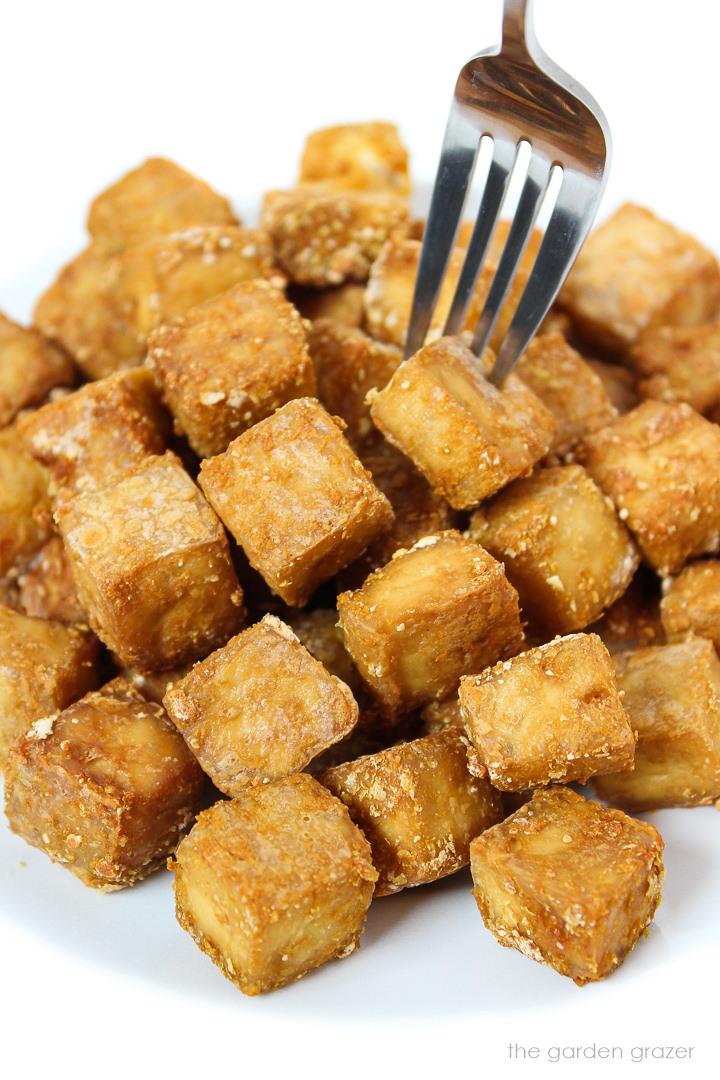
pixel 517 25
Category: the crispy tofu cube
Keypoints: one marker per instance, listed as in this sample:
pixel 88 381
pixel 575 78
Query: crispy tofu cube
pixel 438 715
pixel 43 667
pixel 344 303
pixel 635 273
pixel 106 788
pixel 230 362
pixel 620 384
pixel 634 619
pixel 439 610
pixel 359 157
pixel 466 436
pixel 551 714
pixel 274 883
pixel 25 521
pixel 568 882
pixel 319 631
pixel 329 237
pixel 102 307
pixel 660 464
pixel 672 693
pixel 155 199
pixel 152 566
pixel 154 685
pixel 260 708
pixel 680 363
pixel 418 806
pixel 98 434
pixel 562 544
pixel 348 364
pixel 47 590
pixel 691 601
pixel 296 499
pixel 568 387
pixel 30 366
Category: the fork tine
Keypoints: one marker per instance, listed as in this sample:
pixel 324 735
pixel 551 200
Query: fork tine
pixel 503 161
pixel 533 192
pixel 457 164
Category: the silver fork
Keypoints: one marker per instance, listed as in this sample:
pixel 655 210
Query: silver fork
pixel 513 94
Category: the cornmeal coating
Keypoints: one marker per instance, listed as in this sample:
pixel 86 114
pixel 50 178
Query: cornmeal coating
pixel 660 464
pixel 550 714
pixel 296 498
pixel 343 303
pixel 568 882
pixel 360 157
pixel 419 807
pixel 152 566
pixel 274 883
pixel 691 601
pixel 106 788
pixel 156 198
pixel 230 362
pixel 466 436
pixel 260 708
pixel 47 589
pixel 672 693
pixel 680 363
pixel 30 366
pixel 25 510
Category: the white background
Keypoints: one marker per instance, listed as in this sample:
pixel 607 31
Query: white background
pixel 228 90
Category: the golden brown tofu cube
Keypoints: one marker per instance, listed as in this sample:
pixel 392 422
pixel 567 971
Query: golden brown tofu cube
pixel 293 494
pixel 551 714
pixel 329 237
pixel 562 544
pixel 439 610
pixel 359 157
pixel 344 303
pixel 568 882
pixel 102 307
pixel 106 788
pixel 637 272
pixel 152 566
pixel 47 590
pixel 672 693
pixel 43 667
pixel 320 633
pixel 98 434
pixel 348 364
pixel 154 685
pixel 274 883
pixel 260 708
pixel 155 199
pixel 691 601
pixel 634 619
pixel 230 362
pixel 464 434
pixel 571 390
pixel 438 715
pixel 25 514
pixel 418 806
pixel 660 464
pixel 30 366
pixel 680 363
pixel 619 382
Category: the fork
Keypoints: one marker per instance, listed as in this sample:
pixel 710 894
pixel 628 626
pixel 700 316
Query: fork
pixel 514 95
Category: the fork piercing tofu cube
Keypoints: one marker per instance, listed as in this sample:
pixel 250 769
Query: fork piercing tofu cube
pixel 106 788
pixel 466 436
pixel 260 708
pixel 44 666
pixel 568 882
pixel 295 497
pixel 361 157
pixel 152 566
pixel 550 714
pixel 439 610
pixel 660 464
pixel 30 366
pixel 47 590
pixel 672 693
pixel 273 883
pixel 419 807
pixel 637 272
pixel 25 513
pixel 691 601
pixel 680 363
pixel 562 544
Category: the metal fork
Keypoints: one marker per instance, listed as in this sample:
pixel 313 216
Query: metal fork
pixel 513 94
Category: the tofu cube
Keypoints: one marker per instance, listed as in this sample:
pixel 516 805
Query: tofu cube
pixel 680 363
pixel 551 714
pixel 358 157
pixel 438 715
pixel 418 806
pixel 691 601
pixel 634 619
pixel 672 693
pixel 660 464
pixel 274 883
pixel 44 666
pixel 152 566
pixel 620 384
pixel 260 708
pixel 326 237
pixel 439 610
pixel 30 366
pixel 25 513
pixel 319 631
pixel 106 788
pixel 343 303
pixel 568 882
pixel 295 497
pixel 230 362
pixel 47 590
pixel 157 198
pixel 465 435
pixel 562 544
pixel 154 685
